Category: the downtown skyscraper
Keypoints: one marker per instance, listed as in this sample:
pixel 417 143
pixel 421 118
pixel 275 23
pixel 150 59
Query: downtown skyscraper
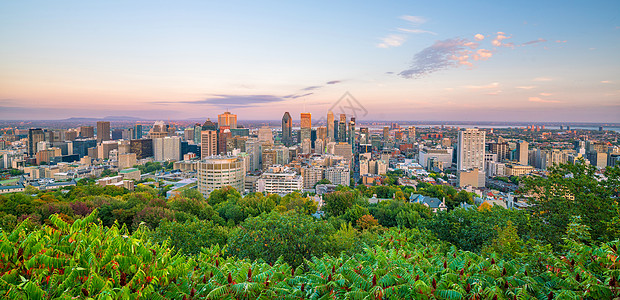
pixel 287 127
pixel 103 131
pixel 306 127
pixel 330 127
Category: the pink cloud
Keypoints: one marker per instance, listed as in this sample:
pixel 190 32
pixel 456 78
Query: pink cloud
pixel 479 37
pixel 540 100
pixel 483 54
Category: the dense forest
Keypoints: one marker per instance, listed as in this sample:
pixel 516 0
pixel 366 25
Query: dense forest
pixel 110 243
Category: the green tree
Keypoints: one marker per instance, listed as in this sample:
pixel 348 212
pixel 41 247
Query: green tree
pixel 191 236
pixel 573 190
pixel 224 194
pixel 338 202
pixel 295 201
pixel 294 237
pixel 507 244
pixel 354 213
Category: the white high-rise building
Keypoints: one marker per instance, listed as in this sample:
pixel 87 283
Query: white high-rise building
pixel 522 152
pixel 471 152
pixel 471 149
pixel 265 134
pixel 167 148
pixel 330 126
pixel 252 148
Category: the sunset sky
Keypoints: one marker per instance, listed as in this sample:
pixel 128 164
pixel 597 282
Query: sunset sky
pixel 401 60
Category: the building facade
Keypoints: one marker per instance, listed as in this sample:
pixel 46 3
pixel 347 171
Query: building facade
pixel 216 172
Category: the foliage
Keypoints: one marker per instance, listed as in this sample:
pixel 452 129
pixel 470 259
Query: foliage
pixel 471 229
pixel 191 236
pixel 338 202
pixel 573 190
pixel 149 167
pixel 87 260
pixel 293 237
pixel 366 222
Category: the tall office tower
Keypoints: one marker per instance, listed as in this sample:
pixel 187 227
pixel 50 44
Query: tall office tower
pixel 87 132
pixel 197 130
pixel 306 127
pixel 287 129
pixel 143 148
pixel 222 140
pixel 167 148
pixel 321 133
pixel 500 148
pixel 471 149
pixel 342 128
pixel 411 133
pixel 352 133
pixel 336 130
pixel 188 134
pixel 71 135
pixel 522 152
pixel 252 148
pixel 117 134
pixel 330 127
pixel 227 120
pixel 386 133
pixel 265 134
pixel 137 131
pixel 208 143
pixel 103 131
pixel 35 135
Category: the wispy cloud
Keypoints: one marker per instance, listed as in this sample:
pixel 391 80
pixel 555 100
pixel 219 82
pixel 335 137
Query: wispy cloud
pixel 540 40
pixel 455 52
pixel 295 96
pixel 223 100
pixel 546 94
pixel 540 100
pixel 439 56
pixel 392 40
pixel 407 30
pixel 333 82
pixel 395 40
pixel 311 88
pixel 414 19
pixel 542 79
pixel 605 81
pixel 483 87
pixel 526 87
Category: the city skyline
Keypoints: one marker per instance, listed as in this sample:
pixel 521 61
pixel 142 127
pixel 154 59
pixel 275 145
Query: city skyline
pixel 483 61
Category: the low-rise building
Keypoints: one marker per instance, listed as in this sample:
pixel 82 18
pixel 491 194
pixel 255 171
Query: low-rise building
pixel 279 180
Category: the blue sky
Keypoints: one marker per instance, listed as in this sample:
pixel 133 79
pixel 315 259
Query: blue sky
pixel 407 60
